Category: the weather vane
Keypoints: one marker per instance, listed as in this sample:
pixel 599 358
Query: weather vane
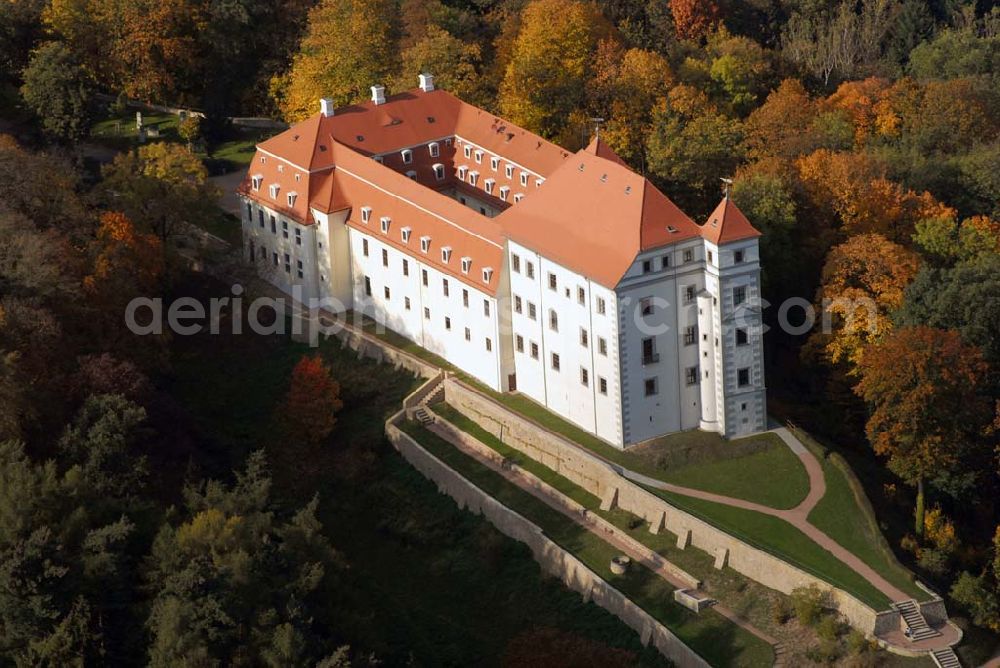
pixel 725 188
pixel 597 126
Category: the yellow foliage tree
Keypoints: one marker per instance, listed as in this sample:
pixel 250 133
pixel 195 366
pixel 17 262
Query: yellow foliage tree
pixel 453 63
pixel 349 46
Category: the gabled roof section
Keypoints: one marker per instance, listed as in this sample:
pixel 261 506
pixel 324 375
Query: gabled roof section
pixel 299 144
pixel 600 149
pixel 594 216
pixel 727 224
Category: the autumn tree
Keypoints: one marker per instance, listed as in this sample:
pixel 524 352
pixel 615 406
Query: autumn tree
pixel 783 125
pixel 927 414
pixel 349 46
pixel 158 187
pixel 693 19
pixel 312 402
pixel 863 282
pixel 453 62
pixel 550 64
pixel 980 594
pixel 20 30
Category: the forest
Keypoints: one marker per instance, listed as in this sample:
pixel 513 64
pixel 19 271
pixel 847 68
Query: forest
pixel 863 141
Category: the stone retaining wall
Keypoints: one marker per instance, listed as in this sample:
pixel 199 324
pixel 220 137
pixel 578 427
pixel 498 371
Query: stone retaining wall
pixel 598 478
pixel 552 558
pixel 374 348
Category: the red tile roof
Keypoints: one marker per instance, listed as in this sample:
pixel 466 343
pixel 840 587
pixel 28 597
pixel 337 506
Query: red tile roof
pixel 593 214
pixel 727 223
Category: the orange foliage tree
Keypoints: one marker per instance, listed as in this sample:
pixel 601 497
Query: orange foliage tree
pixel 693 19
pixel 126 262
pixel 782 126
pixel 927 414
pixel 863 282
pixel 312 402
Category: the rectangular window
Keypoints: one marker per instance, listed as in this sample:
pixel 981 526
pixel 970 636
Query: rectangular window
pixel 649 354
pixel 689 294
pixel 386 291
pixel 600 306
pixel 486 307
pixel 298 268
pixel 368 286
pixel 739 295
pixel 517 304
pixel 447 323
pixel 647 266
pixel 552 281
pixel 364 247
pixel 423 277
pixel 710 257
pixel 553 320
pixel 274 225
pixel 690 335
pixel 406 303
pixel 260 217
pixel 515 263
pixel 581 296
pixel 665 262
pixel 602 345
pixel 284 229
pixel 531 311
pixel 427 313
pixel 465 298
pixel 584 377
pixel 298 236
pixel 534 350
pixel 742 338
pixel 385 257
pixel 468 334
pixel 646 306
pixel 691 375
pixel 489 344
pixel 519 343
pixel 274 257
pixel 555 361
pixel 743 377
pixel 288 263
pixel 584 339
pixel 444 286
pixel 508 171
pixel 406 267
pixel 524 178
pixel 651 387
pixel 602 385
pixel 529 270
pixel 494 163
pixel 249 212
pixel 737 256
pixel 689 255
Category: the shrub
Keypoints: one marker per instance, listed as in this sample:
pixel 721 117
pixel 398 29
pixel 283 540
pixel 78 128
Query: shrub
pixel 808 604
pixel 781 610
pixel 933 561
pixel 857 643
pixel 829 627
pixel 826 652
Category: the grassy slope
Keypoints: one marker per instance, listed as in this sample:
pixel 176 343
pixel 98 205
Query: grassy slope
pixel 712 636
pixel 425 579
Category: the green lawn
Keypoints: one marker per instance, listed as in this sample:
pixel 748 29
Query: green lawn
pixel 851 521
pixel 720 642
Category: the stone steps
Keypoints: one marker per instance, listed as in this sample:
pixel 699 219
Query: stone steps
pixel 423 416
pixel 946 658
pixel 914 620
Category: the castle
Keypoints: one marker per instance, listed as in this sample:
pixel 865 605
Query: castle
pixel 564 276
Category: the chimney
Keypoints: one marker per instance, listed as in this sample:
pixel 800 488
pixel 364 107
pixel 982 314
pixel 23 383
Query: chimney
pixel 378 94
pixel 326 106
pixel 427 82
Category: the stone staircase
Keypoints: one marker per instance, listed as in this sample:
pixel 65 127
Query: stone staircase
pixel 946 658
pixel 423 416
pixel 421 413
pixel 914 620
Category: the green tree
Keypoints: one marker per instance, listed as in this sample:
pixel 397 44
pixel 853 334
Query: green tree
pixel 690 146
pixel 20 29
pixel 349 46
pixel 208 605
pixel 545 81
pixel 767 200
pixel 60 92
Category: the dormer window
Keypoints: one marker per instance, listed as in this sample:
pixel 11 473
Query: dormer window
pixel 473 177
pixel 671 229
pixel 407 156
pixel 291 198
pixel 539 182
pixel 366 214
pixel 405 234
pixel 425 244
pixel 256 180
pixel 487 274
pixel 412 175
pixel 439 172
pixel 462 171
pixel 434 149
pixel 298 177
pixel 377 159
pixel 468 151
pixel 466 264
pixel 518 197
pixel 385 224
pixel 479 157
pixel 489 183
pixel 494 163
pixel 274 190
pixel 504 191
pixel 281 169
pixel 524 178
pixel 446 254
pixel 263 159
